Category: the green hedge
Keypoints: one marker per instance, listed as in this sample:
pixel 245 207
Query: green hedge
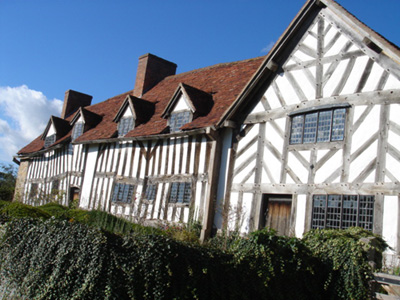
pixel 70 256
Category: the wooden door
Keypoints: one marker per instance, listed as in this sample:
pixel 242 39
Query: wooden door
pixel 276 211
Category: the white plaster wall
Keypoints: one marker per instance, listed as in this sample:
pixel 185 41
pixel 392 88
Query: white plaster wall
pixel 272 99
pixel 301 215
pixel 246 209
pixel 297 167
pixel 335 162
pixel 355 75
pixel 392 83
pixel 127 113
pixel 52 130
pixel 88 176
pixel 181 104
pixel 390 220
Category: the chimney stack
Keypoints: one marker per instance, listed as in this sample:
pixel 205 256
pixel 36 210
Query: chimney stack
pixel 151 70
pixel 72 101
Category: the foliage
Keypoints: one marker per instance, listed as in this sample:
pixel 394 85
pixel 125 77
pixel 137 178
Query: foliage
pixel 8 179
pixel 345 260
pixel 19 210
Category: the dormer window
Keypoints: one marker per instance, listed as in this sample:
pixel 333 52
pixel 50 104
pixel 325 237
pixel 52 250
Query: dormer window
pixel 50 140
pixel 78 130
pixel 178 119
pixel 125 125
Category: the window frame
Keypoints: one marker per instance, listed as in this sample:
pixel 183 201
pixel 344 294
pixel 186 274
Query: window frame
pixel 50 140
pixel 75 133
pixel 305 125
pixel 150 192
pixel 123 192
pixel 332 211
pixel 175 126
pixel 125 124
pixel 180 193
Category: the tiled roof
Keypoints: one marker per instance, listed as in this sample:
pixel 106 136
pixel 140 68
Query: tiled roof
pixel 223 81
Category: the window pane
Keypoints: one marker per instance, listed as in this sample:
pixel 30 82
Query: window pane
pixel 366 212
pixel 333 212
pixel 310 128
pixel 296 134
pixel 174 192
pixel 350 207
pixel 125 125
pixel 78 130
pixel 181 192
pixel 150 193
pixel 324 126
pixel 50 140
pixel 319 211
pixel 123 192
pixel 339 117
pixel 177 120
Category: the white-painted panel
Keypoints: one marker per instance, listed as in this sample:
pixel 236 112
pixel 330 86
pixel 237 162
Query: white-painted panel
pixel 338 46
pixel 128 159
pixel 355 75
pixel 332 83
pixel 272 98
pixel 274 137
pixel 246 209
pixel 51 131
pixel 300 215
pixel 367 128
pixel 310 42
pixel 245 140
pixel 232 211
pixel 302 56
pixel 305 85
pixel 373 78
pixel 202 157
pixel 192 155
pixel 241 177
pixel 357 166
pixel 390 220
pixel 326 170
pixel 181 104
pixel 185 155
pixel 393 166
pixel 297 167
pixel 121 158
pixel 88 179
pixel 259 108
pixel 287 90
pixel 177 154
pixel 392 83
pixel 274 165
pixel 127 113
pixel 314 28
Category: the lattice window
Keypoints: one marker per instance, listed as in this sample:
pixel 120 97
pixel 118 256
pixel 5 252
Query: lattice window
pixel 150 193
pixel 78 130
pixel 178 119
pixel 181 192
pixel 321 126
pixel 50 140
pixel 125 125
pixel 55 186
pixel 342 211
pixel 123 192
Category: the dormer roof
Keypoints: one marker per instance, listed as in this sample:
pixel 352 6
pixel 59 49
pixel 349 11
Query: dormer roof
pixel 61 126
pixel 141 109
pixel 198 101
pixel 90 119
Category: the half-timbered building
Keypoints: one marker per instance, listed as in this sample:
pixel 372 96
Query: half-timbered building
pixel 305 137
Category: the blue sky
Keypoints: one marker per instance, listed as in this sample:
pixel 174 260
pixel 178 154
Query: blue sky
pixel 50 46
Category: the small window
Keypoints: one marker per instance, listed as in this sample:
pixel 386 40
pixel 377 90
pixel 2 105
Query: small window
pixel 181 192
pixel 33 192
pixel 125 125
pixel 150 193
pixel 178 119
pixel 50 140
pixel 78 130
pixel 342 211
pixel 318 127
pixel 123 192
pixel 55 186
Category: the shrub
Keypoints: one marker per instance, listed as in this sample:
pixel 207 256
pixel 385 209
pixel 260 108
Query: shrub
pixel 345 260
pixel 19 210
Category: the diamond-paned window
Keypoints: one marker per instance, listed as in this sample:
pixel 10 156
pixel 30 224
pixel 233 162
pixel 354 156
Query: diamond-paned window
pixel 78 130
pixel 181 192
pixel 178 119
pixel 50 140
pixel 321 126
pixel 123 192
pixel 125 125
pixel 150 193
pixel 342 211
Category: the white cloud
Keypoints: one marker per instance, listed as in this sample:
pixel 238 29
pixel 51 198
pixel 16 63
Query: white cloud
pixel 24 113
pixel 267 48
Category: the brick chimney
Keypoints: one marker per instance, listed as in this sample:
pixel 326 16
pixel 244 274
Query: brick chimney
pixel 151 70
pixel 72 101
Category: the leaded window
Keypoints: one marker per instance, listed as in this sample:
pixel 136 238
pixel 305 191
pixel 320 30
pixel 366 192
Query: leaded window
pixel 50 140
pixel 55 186
pixel 318 126
pixel 33 192
pixel 178 119
pixel 78 130
pixel 342 211
pixel 181 192
pixel 150 193
pixel 125 125
pixel 123 192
